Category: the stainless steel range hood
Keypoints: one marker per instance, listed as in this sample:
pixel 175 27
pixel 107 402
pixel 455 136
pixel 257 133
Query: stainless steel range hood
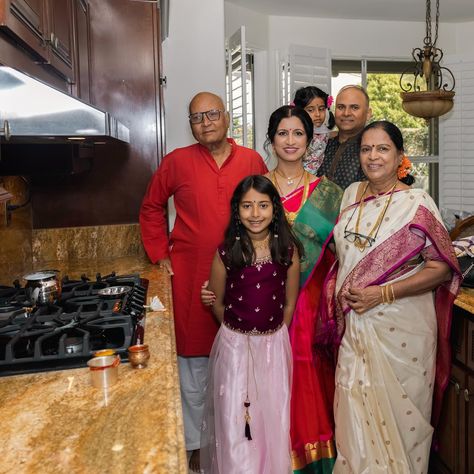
pixel 34 112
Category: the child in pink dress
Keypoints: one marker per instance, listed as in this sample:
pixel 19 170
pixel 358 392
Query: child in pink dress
pixel 317 103
pixel 254 276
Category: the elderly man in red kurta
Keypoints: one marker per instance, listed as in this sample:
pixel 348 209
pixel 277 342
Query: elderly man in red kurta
pixel 202 178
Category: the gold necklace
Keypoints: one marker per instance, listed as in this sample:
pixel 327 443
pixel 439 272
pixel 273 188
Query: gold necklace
pixel 360 243
pixel 289 180
pixel 292 215
pixel 261 244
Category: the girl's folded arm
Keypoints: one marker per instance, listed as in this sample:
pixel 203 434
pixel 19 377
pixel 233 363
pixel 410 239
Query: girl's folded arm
pixel 217 286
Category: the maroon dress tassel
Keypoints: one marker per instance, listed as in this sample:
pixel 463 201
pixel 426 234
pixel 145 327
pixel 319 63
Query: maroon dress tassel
pixel 248 434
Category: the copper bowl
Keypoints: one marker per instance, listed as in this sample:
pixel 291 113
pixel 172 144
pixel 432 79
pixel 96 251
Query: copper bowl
pixel 138 356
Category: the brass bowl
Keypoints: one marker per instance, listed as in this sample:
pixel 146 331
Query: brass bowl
pixel 138 356
pixel 427 104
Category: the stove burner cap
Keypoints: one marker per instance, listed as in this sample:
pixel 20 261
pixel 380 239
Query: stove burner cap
pixel 114 290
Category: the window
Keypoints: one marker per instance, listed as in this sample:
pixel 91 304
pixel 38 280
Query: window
pixel 382 81
pixel 239 90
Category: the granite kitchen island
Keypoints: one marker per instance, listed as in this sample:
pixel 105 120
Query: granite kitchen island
pixel 56 422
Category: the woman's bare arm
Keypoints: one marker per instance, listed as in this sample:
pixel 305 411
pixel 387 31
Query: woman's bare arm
pixel 292 287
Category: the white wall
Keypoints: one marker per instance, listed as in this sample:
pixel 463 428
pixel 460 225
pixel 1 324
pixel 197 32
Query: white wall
pixel 193 61
pixel 356 38
pixel 465 38
pixel 256 25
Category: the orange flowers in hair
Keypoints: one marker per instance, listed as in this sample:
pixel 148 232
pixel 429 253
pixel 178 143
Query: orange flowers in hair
pixel 404 168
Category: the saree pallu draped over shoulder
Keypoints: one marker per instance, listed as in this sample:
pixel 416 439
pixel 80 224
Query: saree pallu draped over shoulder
pixel 394 359
pixel 312 426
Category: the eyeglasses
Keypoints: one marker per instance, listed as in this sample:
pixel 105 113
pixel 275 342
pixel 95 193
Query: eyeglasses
pixel 361 239
pixel 212 115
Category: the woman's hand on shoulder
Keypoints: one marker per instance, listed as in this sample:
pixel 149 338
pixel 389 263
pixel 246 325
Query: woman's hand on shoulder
pixel 363 299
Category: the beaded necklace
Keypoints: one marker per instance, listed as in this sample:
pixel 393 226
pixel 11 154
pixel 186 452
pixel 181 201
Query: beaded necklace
pixel 292 215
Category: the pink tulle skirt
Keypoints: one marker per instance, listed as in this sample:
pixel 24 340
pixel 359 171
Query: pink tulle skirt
pixel 261 365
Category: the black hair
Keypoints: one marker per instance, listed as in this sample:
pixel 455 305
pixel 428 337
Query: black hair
pixel 397 138
pixel 237 243
pixel 331 120
pixel 287 111
pixel 305 95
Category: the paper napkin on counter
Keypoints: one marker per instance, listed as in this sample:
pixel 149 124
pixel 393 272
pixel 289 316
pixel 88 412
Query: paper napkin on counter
pixel 156 304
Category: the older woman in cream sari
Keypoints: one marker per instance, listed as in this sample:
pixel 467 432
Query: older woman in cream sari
pixel 396 279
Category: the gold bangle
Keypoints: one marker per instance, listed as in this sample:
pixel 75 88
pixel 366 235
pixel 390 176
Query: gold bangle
pixel 382 290
pixel 387 290
pixel 393 293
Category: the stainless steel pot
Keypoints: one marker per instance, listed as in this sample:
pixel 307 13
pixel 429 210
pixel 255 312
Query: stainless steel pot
pixel 43 286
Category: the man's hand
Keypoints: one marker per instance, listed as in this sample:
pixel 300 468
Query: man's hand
pixel 207 296
pixel 363 299
pixel 166 263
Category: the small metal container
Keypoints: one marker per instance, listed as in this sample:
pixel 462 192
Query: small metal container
pixel 104 370
pixel 43 287
pixel 138 356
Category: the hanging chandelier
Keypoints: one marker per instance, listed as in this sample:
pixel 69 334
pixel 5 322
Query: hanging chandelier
pixel 429 93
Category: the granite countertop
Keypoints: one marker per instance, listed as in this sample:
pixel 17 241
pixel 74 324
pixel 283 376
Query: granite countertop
pixel 465 299
pixel 56 422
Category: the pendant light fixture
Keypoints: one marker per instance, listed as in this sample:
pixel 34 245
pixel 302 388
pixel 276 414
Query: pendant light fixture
pixel 429 93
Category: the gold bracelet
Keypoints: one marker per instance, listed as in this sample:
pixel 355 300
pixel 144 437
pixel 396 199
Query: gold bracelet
pixel 393 293
pixel 383 294
pixel 387 290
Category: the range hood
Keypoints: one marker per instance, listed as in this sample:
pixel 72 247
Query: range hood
pixel 34 112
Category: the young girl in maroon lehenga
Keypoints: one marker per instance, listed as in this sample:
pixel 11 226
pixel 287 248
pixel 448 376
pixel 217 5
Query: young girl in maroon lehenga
pixel 254 276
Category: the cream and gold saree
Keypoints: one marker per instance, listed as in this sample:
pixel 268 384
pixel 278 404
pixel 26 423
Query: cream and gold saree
pixel 395 357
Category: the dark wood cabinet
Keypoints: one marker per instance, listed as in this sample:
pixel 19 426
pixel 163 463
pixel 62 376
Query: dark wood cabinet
pixel 82 50
pixel 24 21
pixel 455 432
pixel 44 28
pixel 60 36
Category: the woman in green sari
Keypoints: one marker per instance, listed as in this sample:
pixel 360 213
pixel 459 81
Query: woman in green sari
pixel 311 206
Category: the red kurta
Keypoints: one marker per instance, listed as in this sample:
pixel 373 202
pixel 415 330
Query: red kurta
pixel 202 193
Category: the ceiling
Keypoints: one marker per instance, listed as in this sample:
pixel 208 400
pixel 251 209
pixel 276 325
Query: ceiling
pixel 392 10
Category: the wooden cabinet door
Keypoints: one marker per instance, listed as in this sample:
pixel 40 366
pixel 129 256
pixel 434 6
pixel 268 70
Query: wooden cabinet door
pixel 469 400
pixel 451 426
pixel 82 59
pixel 24 21
pixel 60 36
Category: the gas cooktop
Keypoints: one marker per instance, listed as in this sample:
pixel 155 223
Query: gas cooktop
pixel 65 334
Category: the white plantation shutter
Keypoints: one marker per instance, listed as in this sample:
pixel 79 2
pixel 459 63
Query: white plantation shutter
pixel 304 66
pixel 239 89
pixel 456 141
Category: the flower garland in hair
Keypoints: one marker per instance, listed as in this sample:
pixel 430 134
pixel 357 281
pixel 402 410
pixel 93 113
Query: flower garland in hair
pixel 291 104
pixel 404 168
pixel 329 101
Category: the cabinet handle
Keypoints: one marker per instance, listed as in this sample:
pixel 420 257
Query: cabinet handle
pixel 466 395
pixel 457 388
